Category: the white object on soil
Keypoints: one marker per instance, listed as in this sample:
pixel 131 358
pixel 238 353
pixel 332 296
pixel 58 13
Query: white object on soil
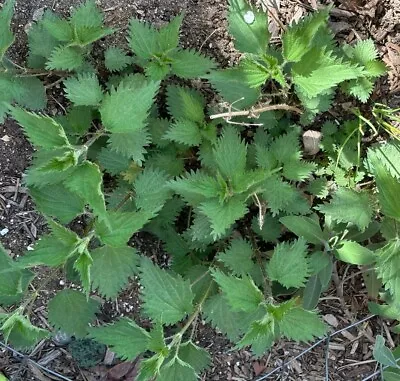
pixel 3 232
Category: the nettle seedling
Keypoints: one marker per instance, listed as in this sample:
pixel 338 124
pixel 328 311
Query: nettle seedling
pixel 217 190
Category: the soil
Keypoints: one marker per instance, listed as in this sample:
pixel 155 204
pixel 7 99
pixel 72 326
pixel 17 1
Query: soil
pixel 350 353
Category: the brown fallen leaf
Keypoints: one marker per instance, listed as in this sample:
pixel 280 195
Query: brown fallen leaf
pixel 259 367
pixel 125 371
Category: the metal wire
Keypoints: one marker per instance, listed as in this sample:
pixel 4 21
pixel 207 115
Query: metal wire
pixel 314 345
pixel 60 376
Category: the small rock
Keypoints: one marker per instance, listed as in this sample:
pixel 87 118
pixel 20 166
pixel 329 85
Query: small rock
pixel 109 358
pixel 4 231
pixel 311 141
pixel 61 338
pixel 38 14
pixel 5 138
pixel 331 320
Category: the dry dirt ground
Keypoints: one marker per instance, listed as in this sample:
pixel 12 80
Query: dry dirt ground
pixel 350 353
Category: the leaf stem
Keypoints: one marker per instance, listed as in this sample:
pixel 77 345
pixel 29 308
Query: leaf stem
pixel 255 112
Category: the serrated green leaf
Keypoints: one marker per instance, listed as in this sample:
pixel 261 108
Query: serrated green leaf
pixel 177 369
pixel 57 201
pixel 364 51
pixel 167 297
pixel 289 265
pixel 86 15
pixel 360 88
pixel 190 64
pixel 222 216
pixel 248 26
pixel 299 37
pixel 185 132
pixel 241 293
pixel 65 58
pixel 82 266
pixel 150 368
pixel 387 265
pixel 230 153
pixel 84 90
pixel 318 187
pixel 238 257
pixel 126 108
pixel 120 226
pixel 305 227
pixel 41 42
pixel 349 206
pixel 71 312
pixel 59 28
pixel 388 188
pixel 151 190
pixel 131 144
pixel 298 170
pixel 301 325
pixel 124 337
pixel 116 59
pixel 86 182
pixel 20 332
pixel 42 131
pixel 169 34
pixel 278 194
pixel 112 161
pixel 355 254
pixel 388 155
pixel 77 121
pixel 143 39
pixel 32 93
pixel 185 103
pixel 232 86
pixel 197 186
pixel 6 35
pixel 198 358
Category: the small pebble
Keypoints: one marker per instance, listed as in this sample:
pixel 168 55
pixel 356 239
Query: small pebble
pixel 3 232
pixel 61 338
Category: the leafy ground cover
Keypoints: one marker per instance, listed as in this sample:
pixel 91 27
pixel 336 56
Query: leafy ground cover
pixel 353 130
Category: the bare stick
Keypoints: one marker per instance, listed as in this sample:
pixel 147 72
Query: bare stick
pixel 254 112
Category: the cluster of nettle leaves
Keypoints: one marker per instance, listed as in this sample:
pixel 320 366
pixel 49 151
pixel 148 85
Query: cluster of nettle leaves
pixel 234 262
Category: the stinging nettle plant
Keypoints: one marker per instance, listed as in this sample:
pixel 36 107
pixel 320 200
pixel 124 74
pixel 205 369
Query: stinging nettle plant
pixel 237 178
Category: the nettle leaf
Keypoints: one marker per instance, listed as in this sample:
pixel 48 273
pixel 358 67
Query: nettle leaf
pixel 299 37
pixel 126 108
pixel 177 369
pixel 271 228
pixel 301 325
pixel 190 64
pixel 349 206
pixel 388 187
pixel 305 227
pixel 238 257
pixel 185 132
pixel 143 39
pixel 20 332
pixel 289 265
pixel 364 51
pixel 112 161
pixel 232 85
pixel 230 153
pixel 71 312
pixel 59 28
pixel 119 227
pixel 222 216
pixel 217 311
pixel 32 93
pixel 355 254
pixel 169 34
pixel 248 26
pixel 151 189
pixel 84 90
pixel 198 358
pixel 278 194
pixel 87 15
pixel 131 144
pixel 86 182
pixel 185 103
pixel 387 265
pixel 167 297
pixel 6 35
pixel 196 186
pixel 65 58
pixel 116 59
pixel 42 131
pixel 57 201
pixel 124 337
pixel 388 155
pixel 241 293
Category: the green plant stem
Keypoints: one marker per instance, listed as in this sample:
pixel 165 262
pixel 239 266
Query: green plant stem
pixel 177 338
